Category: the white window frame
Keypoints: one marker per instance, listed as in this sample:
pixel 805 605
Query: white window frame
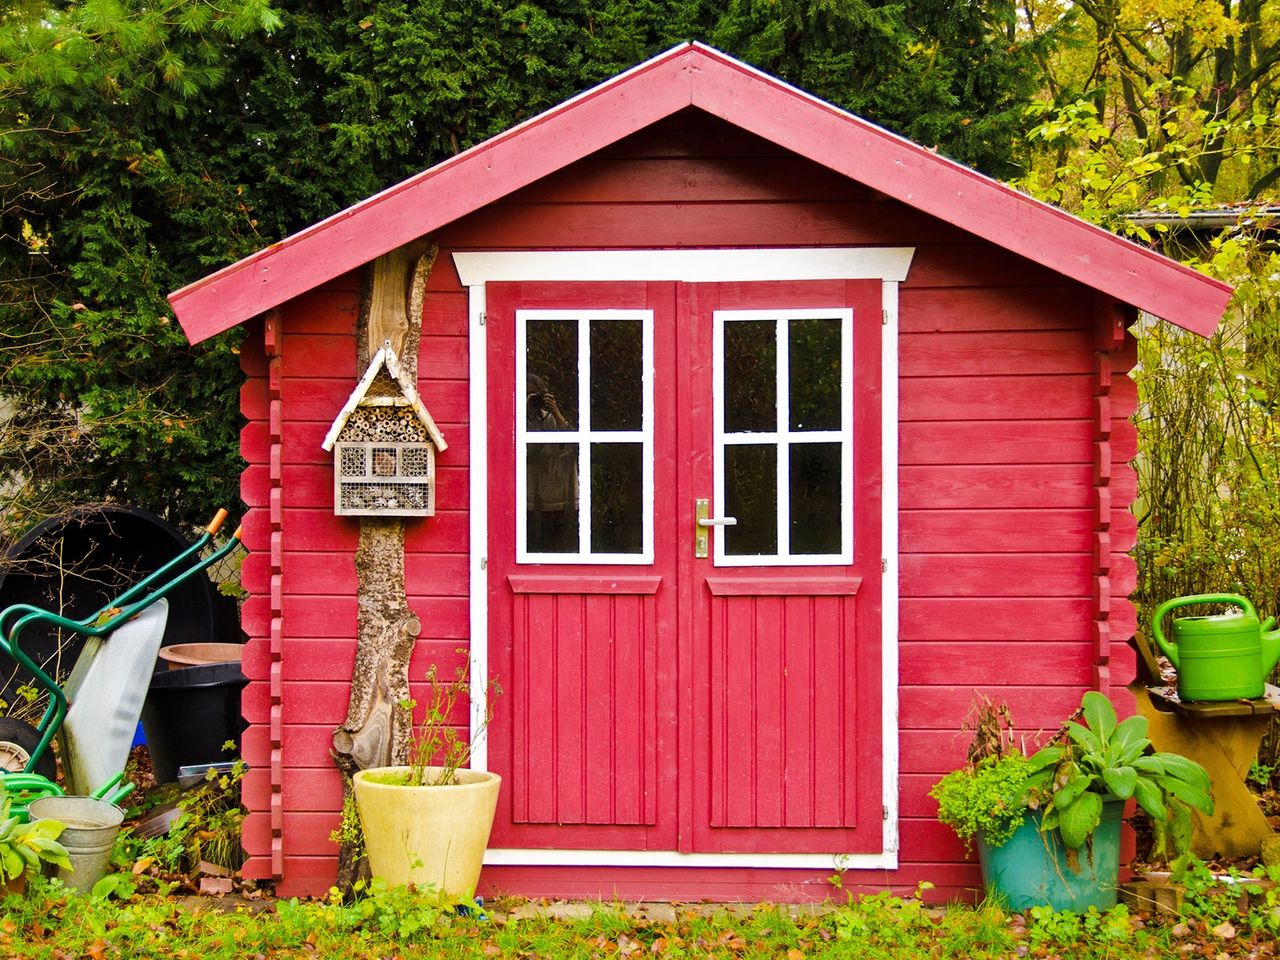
pixel 584 437
pixel 782 436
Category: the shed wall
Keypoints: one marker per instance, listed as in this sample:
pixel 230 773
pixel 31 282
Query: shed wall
pixel 1014 440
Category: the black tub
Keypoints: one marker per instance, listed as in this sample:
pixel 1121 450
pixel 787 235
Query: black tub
pixel 190 713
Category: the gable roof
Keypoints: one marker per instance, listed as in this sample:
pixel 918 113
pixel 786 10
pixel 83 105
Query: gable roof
pixel 385 359
pixel 694 75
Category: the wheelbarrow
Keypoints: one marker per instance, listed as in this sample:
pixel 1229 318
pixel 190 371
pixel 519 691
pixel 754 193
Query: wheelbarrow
pixel 95 714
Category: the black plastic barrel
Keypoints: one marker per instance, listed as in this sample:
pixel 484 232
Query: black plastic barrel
pixel 190 713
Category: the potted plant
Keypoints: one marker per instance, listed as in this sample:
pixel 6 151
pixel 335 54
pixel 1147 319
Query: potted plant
pixel 26 847
pixel 428 822
pixel 1048 825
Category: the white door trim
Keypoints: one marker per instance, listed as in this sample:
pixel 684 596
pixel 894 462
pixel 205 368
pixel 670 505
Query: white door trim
pixel 887 264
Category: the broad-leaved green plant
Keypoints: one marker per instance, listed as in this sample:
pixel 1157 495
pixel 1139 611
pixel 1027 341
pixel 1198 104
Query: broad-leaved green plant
pixel 1101 758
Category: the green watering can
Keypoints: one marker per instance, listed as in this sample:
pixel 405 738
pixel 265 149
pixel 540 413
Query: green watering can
pixel 1223 657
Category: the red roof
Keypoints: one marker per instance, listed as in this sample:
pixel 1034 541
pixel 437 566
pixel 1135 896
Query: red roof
pixel 698 76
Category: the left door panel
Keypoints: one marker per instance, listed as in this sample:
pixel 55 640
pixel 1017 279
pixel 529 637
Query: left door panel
pixel 581 566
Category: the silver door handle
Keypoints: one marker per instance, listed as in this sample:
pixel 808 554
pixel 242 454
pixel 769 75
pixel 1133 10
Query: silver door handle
pixel 702 523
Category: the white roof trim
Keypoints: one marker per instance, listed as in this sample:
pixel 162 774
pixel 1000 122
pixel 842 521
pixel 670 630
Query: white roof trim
pixel 385 357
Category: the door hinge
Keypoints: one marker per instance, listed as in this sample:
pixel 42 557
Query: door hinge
pixel 482 316
pixel 884 565
pixel 484 563
pixel 884 317
pixel 884 810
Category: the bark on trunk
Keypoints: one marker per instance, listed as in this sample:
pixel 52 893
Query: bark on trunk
pixel 376 730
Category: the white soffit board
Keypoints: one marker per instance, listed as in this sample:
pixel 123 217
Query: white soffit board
pixel 689 266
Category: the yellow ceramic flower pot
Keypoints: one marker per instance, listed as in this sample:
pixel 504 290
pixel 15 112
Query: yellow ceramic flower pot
pixel 433 837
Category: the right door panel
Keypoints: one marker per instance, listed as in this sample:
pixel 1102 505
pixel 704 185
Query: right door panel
pixel 785 628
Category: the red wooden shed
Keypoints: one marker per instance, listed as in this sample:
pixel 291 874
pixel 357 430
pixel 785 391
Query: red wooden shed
pixel 695 291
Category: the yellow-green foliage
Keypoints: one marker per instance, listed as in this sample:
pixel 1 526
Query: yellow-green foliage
pixel 984 799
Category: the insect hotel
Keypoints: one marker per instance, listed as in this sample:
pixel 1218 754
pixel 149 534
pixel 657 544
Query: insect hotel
pixel 384 445
pixel 775 437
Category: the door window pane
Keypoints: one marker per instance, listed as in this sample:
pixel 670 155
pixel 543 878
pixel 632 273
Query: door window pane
pixel 783 434
pixel 584 447
pixel 816 520
pixel 751 495
pixel 551 375
pixel 617 375
pixel 751 376
pixel 552 509
pixel 617 502
pixel 814 373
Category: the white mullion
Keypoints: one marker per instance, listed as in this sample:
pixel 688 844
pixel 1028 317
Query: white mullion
pixel 553 436
pixel 619 436
pixel 584 433
pixel 761 438
pixel 816 436
pixel 783 404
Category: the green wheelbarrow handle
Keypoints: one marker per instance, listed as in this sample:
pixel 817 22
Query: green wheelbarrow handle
pixel 115 789
pixel 25 789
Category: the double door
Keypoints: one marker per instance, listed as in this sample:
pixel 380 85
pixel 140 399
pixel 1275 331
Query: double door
pixel 684 565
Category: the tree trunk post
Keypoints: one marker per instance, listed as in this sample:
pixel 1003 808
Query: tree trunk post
pixel 376 730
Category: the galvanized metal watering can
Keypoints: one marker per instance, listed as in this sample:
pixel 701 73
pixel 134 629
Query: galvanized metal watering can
pixel 1222 657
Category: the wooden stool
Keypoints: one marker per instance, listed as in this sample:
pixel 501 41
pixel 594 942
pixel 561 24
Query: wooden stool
pixel 1221 737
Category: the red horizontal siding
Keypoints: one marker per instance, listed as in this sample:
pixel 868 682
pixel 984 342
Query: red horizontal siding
pixel 1018 486
pixel 943 707
pixel 996 531
pixel 325 702
pixel 975 442
pixel 985 354
pixel 999 618
pixel 303 745
pixel 686 179
pixel 311 485
pixel 994 575
pixel 440 357
pixel 945 662
pixel 444 312
pixel 442 617
pixel 320 398
pixel 334 574
pixel 1004 399
pixel 671 224
pixel 318 529
pixel 322 658
pixel 992 310
pixel 304 788
pixel 329 310
pixel 303 439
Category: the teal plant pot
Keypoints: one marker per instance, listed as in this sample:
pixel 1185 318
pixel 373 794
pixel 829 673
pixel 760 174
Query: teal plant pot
pixel 1032 869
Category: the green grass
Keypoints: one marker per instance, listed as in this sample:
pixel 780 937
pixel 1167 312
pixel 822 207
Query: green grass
pixel 48 923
